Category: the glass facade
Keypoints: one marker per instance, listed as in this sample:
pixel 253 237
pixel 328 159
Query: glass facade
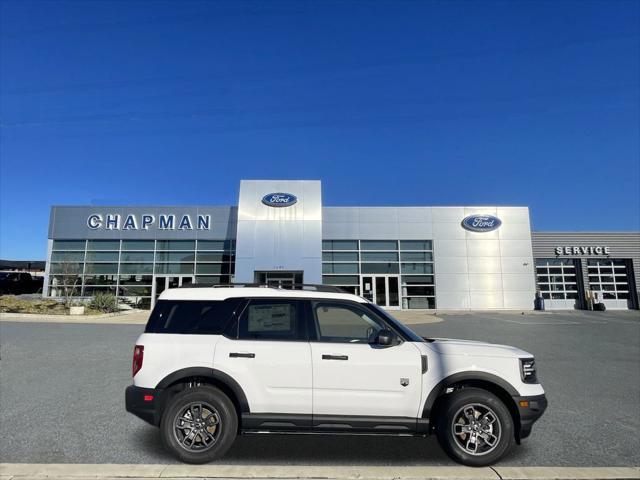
pixel 392 273
pixel 127 268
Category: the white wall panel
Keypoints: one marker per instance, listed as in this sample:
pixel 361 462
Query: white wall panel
pixel 483 248
pixel 447 214
pixel 451 282
pixel 485 282
pixel 378 214
pixel 378 231
pixel 449 248
pixel 452 300
pixel 416 231
pixel 340 214
pixel 482 235
pixel 414 214
pixel 452 265
pixel 448 231
pixel 341 230
pixel 486 300
pixel 484 265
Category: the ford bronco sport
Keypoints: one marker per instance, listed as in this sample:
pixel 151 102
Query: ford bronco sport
pixel 213 363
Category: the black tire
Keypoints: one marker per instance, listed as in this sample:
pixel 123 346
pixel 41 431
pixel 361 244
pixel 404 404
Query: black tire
pixel 458 446
pixel 215 406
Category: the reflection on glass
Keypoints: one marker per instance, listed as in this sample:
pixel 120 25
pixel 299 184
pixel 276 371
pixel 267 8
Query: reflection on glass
pixel 103 245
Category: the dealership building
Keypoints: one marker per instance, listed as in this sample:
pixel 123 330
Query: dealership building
pixel 464 257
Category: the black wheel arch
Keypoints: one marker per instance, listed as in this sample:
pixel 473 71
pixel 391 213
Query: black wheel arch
pixel 486 381
pixel 180 379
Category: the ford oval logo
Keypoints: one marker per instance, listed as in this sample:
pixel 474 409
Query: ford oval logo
pixel 279 199
pixel 481 223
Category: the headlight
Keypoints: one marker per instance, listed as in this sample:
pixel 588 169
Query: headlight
pixel 528 370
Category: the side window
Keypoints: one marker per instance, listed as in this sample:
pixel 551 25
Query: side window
pixel 343 323
pixel 194 317
pixel 277 319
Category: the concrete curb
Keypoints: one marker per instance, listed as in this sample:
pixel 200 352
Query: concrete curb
pixel 129 317
pixel 25 471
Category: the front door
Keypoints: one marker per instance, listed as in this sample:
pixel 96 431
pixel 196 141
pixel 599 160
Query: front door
pixel 354 377
pixel 383 290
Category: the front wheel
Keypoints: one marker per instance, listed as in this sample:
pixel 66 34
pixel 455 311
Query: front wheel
pixel 199 424
pixel 474 427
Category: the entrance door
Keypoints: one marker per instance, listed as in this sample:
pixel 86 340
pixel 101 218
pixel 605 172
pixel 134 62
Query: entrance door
pixel 383 290
pixel 161 283
pixel 278 279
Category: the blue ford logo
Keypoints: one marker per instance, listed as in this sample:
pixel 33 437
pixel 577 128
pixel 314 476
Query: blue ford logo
pixel 279 199
pixel 481 223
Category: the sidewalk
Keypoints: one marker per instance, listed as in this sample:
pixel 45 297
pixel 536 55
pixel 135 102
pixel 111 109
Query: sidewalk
pixel 13 471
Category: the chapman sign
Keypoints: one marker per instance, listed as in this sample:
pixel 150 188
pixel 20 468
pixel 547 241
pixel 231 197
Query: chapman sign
pixel 588 250
pixel 115 221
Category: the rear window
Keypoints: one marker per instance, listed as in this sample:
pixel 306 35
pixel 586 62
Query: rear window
pixel 193 317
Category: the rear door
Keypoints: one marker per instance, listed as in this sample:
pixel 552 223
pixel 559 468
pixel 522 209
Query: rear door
pixel 353 377
pixel 267 352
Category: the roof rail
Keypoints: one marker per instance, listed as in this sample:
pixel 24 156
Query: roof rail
pixel 294 286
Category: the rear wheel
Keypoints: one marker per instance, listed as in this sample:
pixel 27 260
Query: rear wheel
pixel 199 424
pixel 474 427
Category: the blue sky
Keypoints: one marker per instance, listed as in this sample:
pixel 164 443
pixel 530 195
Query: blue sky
pixel 388 103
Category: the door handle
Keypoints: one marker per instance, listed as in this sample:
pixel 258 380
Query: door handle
pixel 242 355
pixel 335 357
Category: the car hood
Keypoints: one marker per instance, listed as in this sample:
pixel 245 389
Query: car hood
pixel 452 346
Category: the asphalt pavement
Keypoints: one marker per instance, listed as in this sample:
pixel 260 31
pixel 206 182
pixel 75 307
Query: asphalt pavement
pixel 62 397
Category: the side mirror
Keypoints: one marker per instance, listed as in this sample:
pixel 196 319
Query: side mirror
pixel 386 338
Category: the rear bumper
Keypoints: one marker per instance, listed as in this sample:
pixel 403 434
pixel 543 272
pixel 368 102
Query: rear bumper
pixel 144 403
pixel 530 410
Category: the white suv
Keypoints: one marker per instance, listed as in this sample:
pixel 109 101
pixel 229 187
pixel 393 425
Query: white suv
pixel 217 362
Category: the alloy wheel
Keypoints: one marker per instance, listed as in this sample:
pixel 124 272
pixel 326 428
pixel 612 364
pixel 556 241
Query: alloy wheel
pixel 476 429
pixel 197 426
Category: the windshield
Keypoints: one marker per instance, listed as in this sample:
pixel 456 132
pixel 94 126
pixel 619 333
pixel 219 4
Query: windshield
pixel 406 331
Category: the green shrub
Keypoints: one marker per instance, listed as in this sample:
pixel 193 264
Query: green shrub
pixel 104 302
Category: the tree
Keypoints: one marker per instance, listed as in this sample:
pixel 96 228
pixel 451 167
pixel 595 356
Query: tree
pixel 67 274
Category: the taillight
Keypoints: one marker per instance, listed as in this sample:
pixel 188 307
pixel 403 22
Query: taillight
pixel 138 356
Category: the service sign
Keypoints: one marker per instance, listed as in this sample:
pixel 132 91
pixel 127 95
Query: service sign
pixel 279 199
pixel 481 223
pixel 583 250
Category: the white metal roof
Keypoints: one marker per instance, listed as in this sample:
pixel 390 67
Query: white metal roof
pixel 222 293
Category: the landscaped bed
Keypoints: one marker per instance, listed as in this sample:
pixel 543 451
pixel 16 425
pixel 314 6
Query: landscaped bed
pixel 13 304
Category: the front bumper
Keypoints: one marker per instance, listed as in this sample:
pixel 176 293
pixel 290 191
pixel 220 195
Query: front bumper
pixel 530 410
pixel 144 403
